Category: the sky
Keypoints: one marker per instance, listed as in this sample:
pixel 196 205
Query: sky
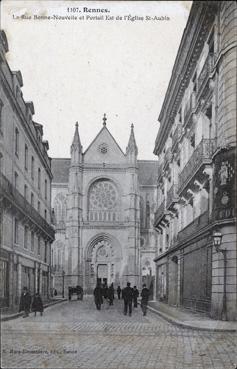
pixel 76 70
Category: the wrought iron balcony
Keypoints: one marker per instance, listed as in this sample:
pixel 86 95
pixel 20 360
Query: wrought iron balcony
pixel 204 75
pixel 201 156
pixel 172 196
pixel 189 109
pixel 176 137
pixel 167 158
pixel 159 214
pixel 11 194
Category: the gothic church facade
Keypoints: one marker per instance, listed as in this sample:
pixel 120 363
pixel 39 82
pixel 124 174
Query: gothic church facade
pixel 103 201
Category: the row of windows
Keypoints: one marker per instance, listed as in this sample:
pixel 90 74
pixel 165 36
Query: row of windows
pixel 32 168
pixel 32 196
pixel 29 237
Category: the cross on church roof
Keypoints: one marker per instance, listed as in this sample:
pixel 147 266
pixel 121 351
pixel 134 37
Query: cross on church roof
pixel 104 120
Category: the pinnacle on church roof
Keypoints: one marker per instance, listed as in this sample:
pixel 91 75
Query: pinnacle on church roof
pixel 132 146
pixel 76 139
pixel 104 119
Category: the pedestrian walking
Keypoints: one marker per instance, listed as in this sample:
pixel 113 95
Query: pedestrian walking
pixel 135 296
pixel 105 291
pixel 37 304
pixel 144 300
pixel 111 294
pixel 25 302
pixel 119 292
pixel 98 296
pixel 127 297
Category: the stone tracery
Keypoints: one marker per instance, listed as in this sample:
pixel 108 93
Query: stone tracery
pixel 103 201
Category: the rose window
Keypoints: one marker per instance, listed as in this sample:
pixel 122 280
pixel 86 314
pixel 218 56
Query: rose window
pixel 103 201
pixel 103 195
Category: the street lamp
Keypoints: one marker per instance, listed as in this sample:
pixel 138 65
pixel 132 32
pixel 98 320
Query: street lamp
pixel 217 239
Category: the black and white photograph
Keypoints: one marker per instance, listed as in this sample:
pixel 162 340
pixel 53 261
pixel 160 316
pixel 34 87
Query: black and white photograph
pixel 118 184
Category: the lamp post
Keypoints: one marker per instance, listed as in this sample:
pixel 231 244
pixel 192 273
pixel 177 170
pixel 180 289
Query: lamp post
pixel 217 239
pixel 63 274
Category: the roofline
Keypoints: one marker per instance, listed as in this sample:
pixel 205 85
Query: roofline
pixel 104 127
pixel 197 17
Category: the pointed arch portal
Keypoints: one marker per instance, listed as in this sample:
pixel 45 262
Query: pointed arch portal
pixel 103 260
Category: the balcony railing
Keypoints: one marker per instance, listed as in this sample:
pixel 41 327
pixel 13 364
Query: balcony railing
pixel 167 158
pixel 205 74
pixel 176 136
pixel 159 214
pixel 9 192
pixel 201 156
pixel 192 228
pixel 189 109
pixel 172 196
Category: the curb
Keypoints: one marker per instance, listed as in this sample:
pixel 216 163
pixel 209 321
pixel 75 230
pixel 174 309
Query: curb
pixel 189 326
pixel 17 315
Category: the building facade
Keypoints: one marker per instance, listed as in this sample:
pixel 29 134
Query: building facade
pixel 26 233
pixel 196 149
pixel 103 201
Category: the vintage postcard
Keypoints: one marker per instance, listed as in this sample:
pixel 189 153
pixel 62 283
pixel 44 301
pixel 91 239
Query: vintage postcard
pixel 118 184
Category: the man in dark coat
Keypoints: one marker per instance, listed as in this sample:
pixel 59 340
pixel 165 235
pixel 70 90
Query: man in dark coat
pixel 98 295
pixel 111 294
pixel 135 296
pixel 105 290
pixel 119 292
pixel 127 297
pixel 144 300
pixel 25 302
pixel 37 304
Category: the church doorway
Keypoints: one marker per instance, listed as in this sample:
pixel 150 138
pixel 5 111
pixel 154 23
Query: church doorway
pixel 102 273
pixel 103 262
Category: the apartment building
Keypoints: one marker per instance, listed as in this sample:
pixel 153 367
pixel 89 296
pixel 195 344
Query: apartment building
pixel 26 233
pixel 196 149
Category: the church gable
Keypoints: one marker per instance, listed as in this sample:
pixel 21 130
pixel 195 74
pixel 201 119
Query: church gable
pixel 104 149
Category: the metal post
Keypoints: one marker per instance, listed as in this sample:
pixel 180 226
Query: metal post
pixel 224 308
pixel 63 274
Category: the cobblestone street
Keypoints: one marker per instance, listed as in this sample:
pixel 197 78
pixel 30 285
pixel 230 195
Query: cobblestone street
pixel 75 335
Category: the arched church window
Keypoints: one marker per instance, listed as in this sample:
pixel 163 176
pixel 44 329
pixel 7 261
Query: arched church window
pixel 59 206
pixel 141 212
pixel 103 201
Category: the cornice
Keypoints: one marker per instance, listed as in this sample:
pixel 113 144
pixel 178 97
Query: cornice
pixel 196 32
pixel 25 124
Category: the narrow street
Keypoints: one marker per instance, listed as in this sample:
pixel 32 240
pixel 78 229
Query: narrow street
pixel 75 335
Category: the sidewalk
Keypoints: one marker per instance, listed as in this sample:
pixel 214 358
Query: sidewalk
pixel 5 316
pixel 188 319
